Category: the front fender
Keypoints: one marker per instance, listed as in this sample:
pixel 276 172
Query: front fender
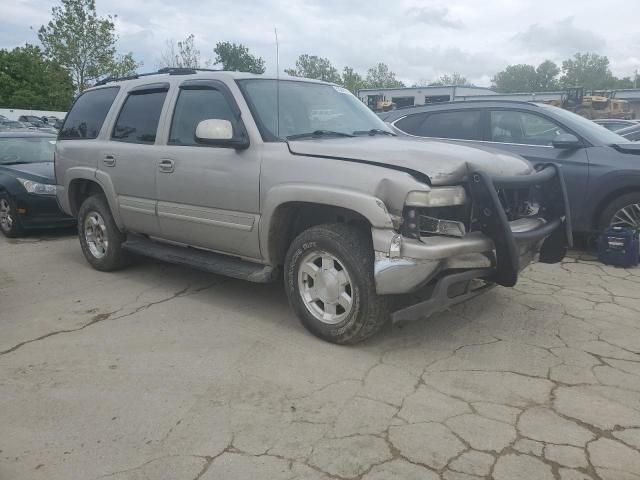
pixel 369 206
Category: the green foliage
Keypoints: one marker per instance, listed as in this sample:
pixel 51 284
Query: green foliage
pixel 124 65
pixel 80 41
pixel 29 80
pixel 453 79
pixel 516 78
pixel 547 77
pixel 237 58
pixel 183 54
pixel 352 80
pixel 588 70
pixel 312 66
pixel 381 77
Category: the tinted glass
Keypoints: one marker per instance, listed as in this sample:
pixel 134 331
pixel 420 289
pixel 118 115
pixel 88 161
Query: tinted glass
pixel 522 127
pixel 463 124
pixel 192 107
pixel 592 131
pixel 411 123
pixel 87 114
pixel 139 118
pixel 26 150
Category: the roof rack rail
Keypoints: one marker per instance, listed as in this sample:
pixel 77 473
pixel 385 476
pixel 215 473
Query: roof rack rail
pixel 169 70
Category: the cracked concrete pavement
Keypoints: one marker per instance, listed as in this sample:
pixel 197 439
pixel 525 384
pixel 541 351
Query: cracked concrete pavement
pixel 161 372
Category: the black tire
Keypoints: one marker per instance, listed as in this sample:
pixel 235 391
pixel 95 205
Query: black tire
pixel 114 257
pixel 616 204
pixel 15 229
pixel 353 249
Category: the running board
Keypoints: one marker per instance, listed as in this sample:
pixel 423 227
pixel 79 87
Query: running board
pixel 200 259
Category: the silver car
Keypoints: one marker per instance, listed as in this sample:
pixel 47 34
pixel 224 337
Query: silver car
pixel 238 174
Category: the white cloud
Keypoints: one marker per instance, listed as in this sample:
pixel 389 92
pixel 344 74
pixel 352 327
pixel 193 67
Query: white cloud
pixel 417 40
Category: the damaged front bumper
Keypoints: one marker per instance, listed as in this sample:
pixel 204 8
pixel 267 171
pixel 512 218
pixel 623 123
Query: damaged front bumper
pixel 449 270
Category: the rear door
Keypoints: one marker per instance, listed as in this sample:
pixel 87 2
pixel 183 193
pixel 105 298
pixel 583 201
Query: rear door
pixel 131 158
pixel 531 135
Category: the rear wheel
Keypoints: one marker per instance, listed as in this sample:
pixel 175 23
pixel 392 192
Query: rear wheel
pixel 330 285
pixel 100 238
pixel 623 211
pixel 10 224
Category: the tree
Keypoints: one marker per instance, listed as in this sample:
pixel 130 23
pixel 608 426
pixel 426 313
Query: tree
pixel 183 54
pixel 453 79
pixel 381 77
pixel 547 77
pixel 80 41
pixel 312 66
pixel 588 70
pixel 124 66
pixel 516 78
pixel 352 80
pixel 29 80
pixel 237 58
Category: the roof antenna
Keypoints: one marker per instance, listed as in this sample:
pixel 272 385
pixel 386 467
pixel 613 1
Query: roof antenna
pixel 275 30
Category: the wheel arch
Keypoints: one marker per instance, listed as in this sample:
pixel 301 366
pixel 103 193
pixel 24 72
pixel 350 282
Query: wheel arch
pixel 602 204
pixel 292 209
pixel 79 189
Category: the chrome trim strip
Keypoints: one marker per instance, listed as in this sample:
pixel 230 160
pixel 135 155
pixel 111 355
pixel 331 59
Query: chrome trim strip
pixel 207 216
pixel 466 140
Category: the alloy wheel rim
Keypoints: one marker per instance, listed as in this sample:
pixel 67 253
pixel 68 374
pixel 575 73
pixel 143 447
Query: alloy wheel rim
pixel 6 221
pixel 325 287
pixel 95 234
pixel 628 216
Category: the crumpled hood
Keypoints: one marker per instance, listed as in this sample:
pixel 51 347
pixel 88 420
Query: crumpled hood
pixel 443 162
pixel 39 172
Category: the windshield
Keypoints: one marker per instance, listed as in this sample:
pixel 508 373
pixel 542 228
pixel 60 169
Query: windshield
pixel 592 129
pixel 26 150
pixel 307 107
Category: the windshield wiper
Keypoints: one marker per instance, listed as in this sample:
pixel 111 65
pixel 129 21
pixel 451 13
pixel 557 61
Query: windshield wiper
pixel 14 163
pixel 374 131
pixel 319 133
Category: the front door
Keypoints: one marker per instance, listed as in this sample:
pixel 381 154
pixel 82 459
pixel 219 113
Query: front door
pixel 208 196
pixel 130 158
pixel 530 135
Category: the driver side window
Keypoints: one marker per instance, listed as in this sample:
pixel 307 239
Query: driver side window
pixel 193 106
pixel 524 128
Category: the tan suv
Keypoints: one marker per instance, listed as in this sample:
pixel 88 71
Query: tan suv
pixel 237 174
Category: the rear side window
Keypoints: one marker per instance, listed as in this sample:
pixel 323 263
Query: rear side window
pixel 138 120
pixel 193 106
pixel 463 125
pixel 411 123
pixel 87 115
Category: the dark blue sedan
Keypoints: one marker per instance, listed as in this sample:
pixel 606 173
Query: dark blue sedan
pixel 27 183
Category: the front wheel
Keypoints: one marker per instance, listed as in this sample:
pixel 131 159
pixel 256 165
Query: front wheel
pixel 330 285
pixel 100 238
pixel 9 220
pixel 624 211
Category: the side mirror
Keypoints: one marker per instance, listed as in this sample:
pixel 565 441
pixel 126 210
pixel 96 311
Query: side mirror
pixel 215 131
pixel 566 141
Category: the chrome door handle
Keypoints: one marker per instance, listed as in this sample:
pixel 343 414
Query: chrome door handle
pixel 109 160
pixel 166 165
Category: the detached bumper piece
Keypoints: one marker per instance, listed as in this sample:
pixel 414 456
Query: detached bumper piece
pixel 555 232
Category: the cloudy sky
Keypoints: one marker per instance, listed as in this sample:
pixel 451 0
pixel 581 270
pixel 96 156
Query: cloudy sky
pixel 418 40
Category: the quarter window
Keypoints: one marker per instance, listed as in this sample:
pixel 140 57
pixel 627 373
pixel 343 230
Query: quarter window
pixel 139 117
pixel 523 128
pixel 193 106
pixel 87 115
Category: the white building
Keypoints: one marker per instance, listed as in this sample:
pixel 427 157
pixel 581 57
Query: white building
pixel 408 96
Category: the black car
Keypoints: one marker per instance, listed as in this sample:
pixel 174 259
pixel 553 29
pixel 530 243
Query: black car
pixel 27 183
pixel 601 168
pixel 615 124
pixel 630 133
